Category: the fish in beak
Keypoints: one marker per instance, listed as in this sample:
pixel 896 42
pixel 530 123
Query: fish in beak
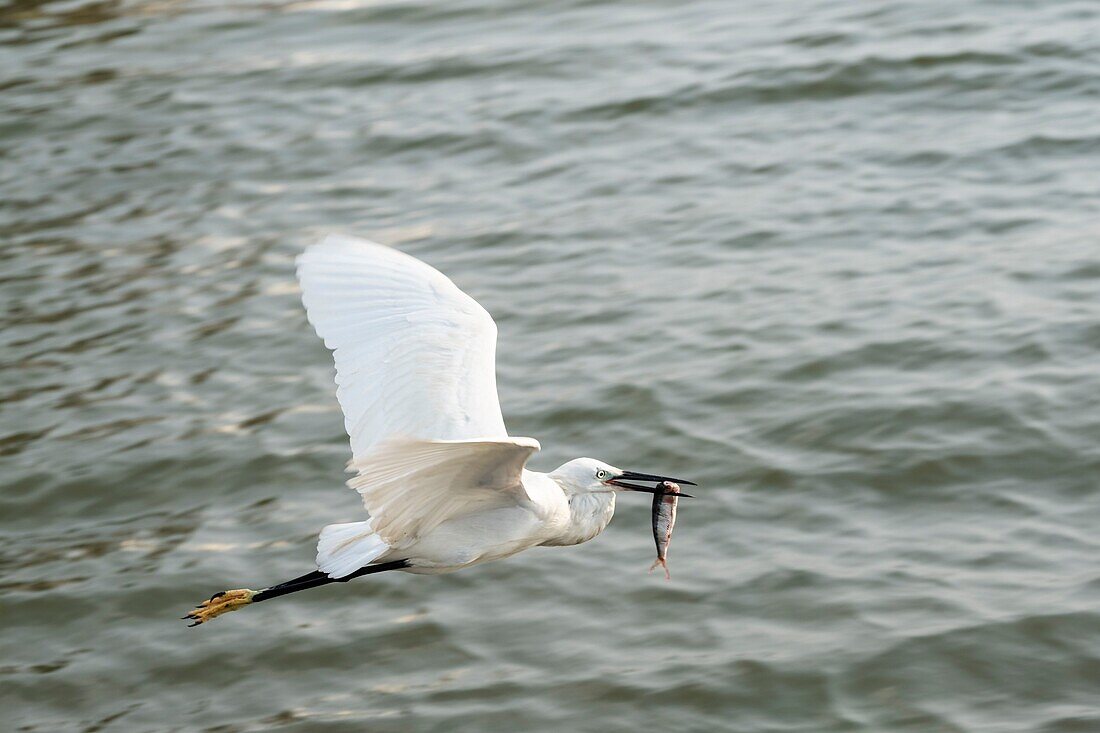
pixel 623 480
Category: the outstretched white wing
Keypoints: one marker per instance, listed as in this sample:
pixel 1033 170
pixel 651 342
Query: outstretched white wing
pixel 416 378
pixel 411 486
pixel 415 356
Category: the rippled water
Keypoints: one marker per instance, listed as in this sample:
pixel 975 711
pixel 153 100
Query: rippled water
pixel 838 262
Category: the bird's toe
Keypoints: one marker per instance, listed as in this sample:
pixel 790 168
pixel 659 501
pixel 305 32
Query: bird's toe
pixel 219 603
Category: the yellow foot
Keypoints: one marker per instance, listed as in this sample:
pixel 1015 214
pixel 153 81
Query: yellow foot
pixel 660 561
pixel 219 603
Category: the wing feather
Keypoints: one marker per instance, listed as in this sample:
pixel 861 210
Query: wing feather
pixel 412 486
pixel 415 356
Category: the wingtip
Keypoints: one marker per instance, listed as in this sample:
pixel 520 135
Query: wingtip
pixel 331 242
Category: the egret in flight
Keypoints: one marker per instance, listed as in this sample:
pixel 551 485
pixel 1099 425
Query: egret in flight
pixel 444 484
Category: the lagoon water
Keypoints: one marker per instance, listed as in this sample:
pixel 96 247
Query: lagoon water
pixel 837 262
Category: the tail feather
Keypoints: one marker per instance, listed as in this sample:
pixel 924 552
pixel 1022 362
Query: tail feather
pixel 344 548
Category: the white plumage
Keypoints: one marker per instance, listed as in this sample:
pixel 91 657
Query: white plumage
pixel 416 379
pixel 443 483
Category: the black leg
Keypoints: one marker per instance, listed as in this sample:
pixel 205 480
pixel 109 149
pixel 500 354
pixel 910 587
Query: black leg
pixel 317 579
pixel 372 569
pixel 313 577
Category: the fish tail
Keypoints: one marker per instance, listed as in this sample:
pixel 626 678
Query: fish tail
pixel 661 561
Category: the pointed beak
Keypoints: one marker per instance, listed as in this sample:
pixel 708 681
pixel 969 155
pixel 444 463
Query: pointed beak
pixel 623 480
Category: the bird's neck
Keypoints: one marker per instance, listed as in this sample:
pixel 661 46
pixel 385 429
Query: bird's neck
pixel 588 515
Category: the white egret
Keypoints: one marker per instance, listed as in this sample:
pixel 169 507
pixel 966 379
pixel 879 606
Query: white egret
pixel 444 484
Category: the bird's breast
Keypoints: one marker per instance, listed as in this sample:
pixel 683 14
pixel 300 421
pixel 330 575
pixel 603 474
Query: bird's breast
pixel 588 515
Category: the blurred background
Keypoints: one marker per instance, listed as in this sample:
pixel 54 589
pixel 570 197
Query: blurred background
pixel 836 262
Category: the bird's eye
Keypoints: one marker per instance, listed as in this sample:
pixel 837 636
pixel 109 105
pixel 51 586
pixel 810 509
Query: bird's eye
pixel 602 474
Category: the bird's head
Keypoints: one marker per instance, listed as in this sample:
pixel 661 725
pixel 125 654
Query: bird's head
pixel 589 476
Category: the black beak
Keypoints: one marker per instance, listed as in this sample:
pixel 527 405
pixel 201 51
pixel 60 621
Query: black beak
pixel 635 476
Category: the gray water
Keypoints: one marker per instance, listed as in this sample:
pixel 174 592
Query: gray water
pixel 837 262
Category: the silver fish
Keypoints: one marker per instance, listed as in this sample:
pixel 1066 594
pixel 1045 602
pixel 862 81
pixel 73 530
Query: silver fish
pixel 664 518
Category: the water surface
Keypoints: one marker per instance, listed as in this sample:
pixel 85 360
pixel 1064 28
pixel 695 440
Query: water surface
pixel 836 262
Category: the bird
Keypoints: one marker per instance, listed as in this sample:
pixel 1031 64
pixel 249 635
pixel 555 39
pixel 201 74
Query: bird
pixel 444 485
